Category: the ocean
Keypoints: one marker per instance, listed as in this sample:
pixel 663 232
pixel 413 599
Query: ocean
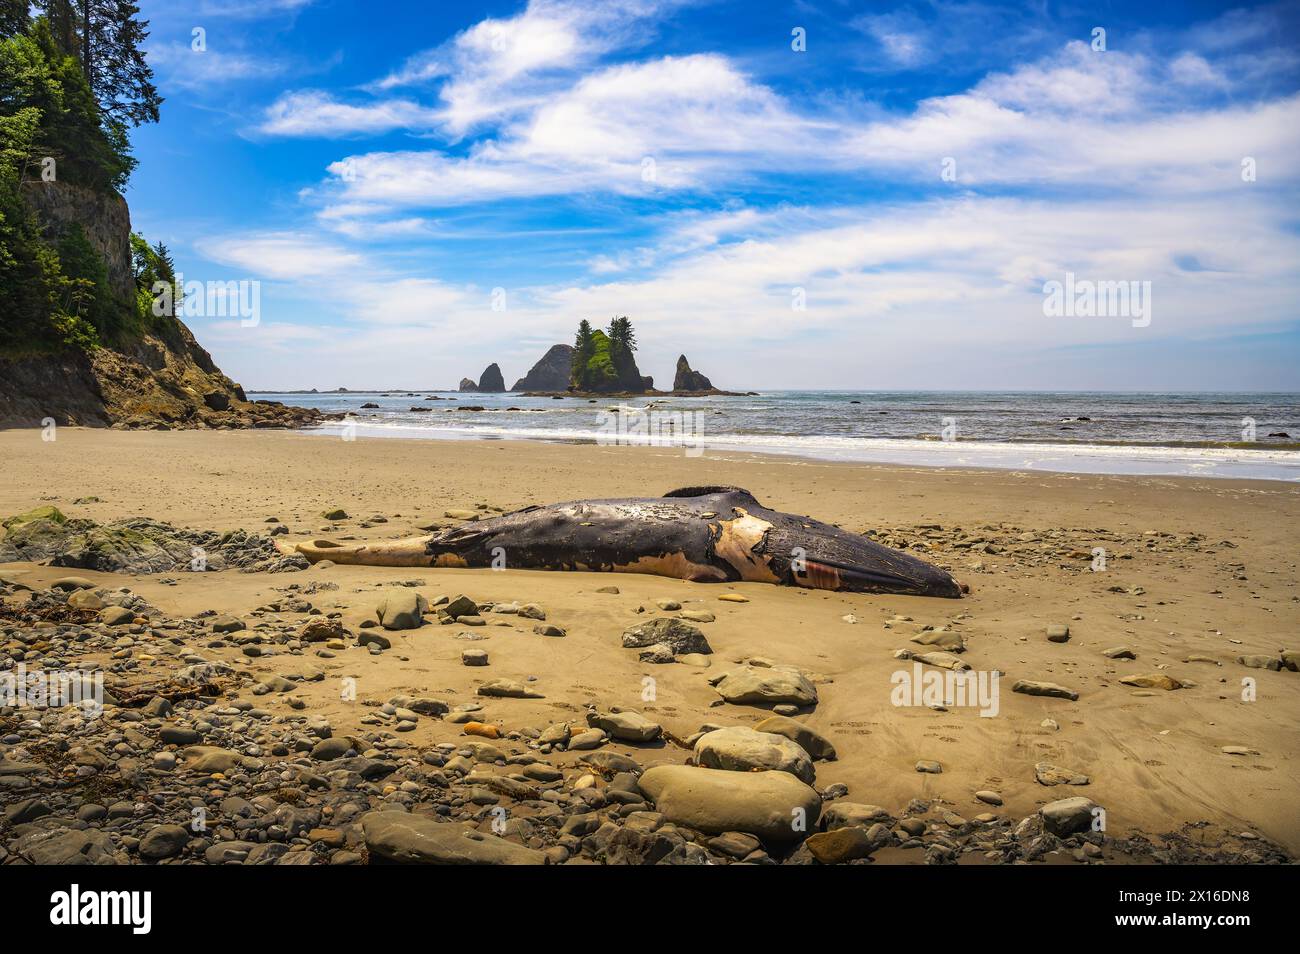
pixel 1188 434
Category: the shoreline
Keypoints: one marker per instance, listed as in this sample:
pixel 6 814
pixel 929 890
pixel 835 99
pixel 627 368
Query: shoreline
pixel 1198 567
pixel 1280 465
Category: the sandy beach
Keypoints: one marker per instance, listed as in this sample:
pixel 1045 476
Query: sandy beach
pixel 1201 570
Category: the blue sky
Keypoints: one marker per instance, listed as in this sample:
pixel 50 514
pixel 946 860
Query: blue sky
pixel 913 175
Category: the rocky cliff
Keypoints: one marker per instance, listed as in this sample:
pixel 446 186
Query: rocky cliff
pixel 551 373
pixel 160 378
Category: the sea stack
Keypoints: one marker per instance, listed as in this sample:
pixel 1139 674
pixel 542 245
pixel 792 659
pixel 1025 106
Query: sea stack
pixel 688 380
pixel 491 380
pixel 550 373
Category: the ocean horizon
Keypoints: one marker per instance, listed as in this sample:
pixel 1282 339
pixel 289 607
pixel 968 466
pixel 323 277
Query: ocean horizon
pixel 1252 435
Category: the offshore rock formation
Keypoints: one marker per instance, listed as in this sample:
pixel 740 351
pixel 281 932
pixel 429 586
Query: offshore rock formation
pixel 550 373
pixel 490 381
pixel 688 380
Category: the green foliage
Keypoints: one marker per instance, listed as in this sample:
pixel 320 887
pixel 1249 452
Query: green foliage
pixel 55 288
pixel 603 361
pixel 151 265
pixel 106 38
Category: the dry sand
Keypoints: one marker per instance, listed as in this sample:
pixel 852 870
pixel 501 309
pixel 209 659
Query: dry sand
pixel 1155 759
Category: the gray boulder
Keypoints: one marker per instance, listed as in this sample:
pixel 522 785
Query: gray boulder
pixel 679 636
pixel 402 838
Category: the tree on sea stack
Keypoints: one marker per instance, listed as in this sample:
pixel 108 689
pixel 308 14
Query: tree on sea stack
pixel 583 348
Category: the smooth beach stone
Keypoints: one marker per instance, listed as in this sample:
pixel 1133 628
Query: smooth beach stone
pixel 626 726
pixel 741 749
pixel 945 639
pixel 748 685
pixel 844 814
pixel 1031 687
pixel 1155 680
pixel 810 740
pixel 1068 816
pixel 1058 633
pixel 420 840
pixel 402 609
pixel 840 845
pixel 774 806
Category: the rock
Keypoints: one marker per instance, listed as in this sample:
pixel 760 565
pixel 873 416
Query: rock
pixel 473 657
pixel 72 583
pixel 327 750
pixel 946 639
pixel 369 637
pixel 698 616
pixel 1068 816
pixel 217 401
pixel 227 624
pixel 1258 661
pixel 929 767
pixel 741 749
pixel 942 660
pixel 508 689
pixel 163 841
pixel 749 685
pixel 680 637
pixel 1238 750
pixel 532 611
pixel 1155 680
pixel 85 600
pixel 1033 688
pixel 626 726
pixel 468 386
pixel 116 616
pixel 659 655
pixel 774 806
pixel 337 513
pixel 811 741
pixel 402 838
pixel 1119 652
pixel 840 845
pixel 210 759
pixel 550 373
pixel 61 846
pixel 668 606
pixel 322 630
pixel 989 798
pixel 733 598
pixel 178 735
pixel 491 381
pixel 462 605
pixel 402 609
pixel 548 629
pixel 844 814
pixel 687 380
pixel 1049 774
pixel 1058 633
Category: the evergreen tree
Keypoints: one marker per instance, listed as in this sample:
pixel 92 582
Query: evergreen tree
pixel 583 348
pixel 13 17
pixel 105 37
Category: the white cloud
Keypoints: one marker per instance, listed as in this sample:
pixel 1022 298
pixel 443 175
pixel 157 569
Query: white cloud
pixel 315 113
pixel 291 256
pixel 179 66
